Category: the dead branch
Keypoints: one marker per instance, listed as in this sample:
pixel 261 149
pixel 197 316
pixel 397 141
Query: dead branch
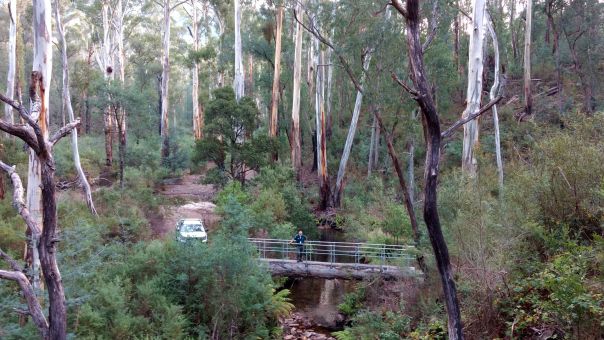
pixel 64 131
pixel 461 122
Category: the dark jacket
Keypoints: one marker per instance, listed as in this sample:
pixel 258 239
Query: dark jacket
pixel 299 240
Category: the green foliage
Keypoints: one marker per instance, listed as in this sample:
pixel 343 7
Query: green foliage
pixel 367 325
pixel 230 140
pixel 353 302
pixel 562 297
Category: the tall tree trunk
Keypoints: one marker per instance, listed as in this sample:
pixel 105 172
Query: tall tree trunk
pixel 411 169
pixel 528 96
pixel 492 94
pixel 276 76
pixel 371 147
pixel 474 89
pixel 120 114
pixel 513 34
pixel 105 61
pixel 324 190
pixel 432 137
pixel 351 132
pixel 197 117
pixel 238 82
pixel 165 83
pixel 12 59
pixel 328 97
pixel 296 149
pixel 67 103
pixel 42 69
pixel 401 178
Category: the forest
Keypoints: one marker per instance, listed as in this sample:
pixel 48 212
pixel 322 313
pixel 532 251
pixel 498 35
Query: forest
pixel 467 133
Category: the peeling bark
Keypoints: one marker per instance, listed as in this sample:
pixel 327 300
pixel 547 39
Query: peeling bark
pixel 474 89
pixel 296 151
pixel 276 76
pixel 12 59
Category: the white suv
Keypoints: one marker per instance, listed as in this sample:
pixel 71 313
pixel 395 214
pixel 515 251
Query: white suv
pixel 191 229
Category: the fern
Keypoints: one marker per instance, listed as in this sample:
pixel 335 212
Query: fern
pixel 281 305
pixel 346 334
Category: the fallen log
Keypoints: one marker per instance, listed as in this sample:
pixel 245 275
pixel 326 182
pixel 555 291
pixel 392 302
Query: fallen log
pixel 345 271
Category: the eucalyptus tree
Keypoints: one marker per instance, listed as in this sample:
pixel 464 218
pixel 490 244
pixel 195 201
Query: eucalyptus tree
pixel 168 6
pixel 67 104
pixel 474 88
pixel 12 58
pixel 296 148
pixel 528 95
pixel 238 79
pixel 277 73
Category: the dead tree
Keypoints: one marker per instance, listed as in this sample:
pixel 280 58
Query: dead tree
pixel 422 94
pixel 43 235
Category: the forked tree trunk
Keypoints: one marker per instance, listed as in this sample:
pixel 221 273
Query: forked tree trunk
pixel 165 83
pixel 69 109
pixel 12 59
pixel 328 97
pixel 276 76
pixel 238 81
pixel 528 96
pixel 197 117
pixel 492 95
pixel 432 135
pixel 296 151
pixel 474 89
pixel 351 132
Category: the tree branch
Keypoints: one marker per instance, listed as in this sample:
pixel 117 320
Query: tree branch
pixel 35 310
pixel 399 7
pixel 315 32
pixel 457 124
pixel 433 26
pixel 64 131
pixel 18 200
pixel 178 4
pixel 414 94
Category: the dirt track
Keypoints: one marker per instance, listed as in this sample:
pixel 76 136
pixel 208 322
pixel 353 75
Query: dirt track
pixel 197 204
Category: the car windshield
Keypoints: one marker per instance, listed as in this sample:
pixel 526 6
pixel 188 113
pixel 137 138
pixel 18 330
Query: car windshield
pixel 189 228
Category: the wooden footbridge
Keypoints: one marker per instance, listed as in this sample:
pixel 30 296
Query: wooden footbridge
pixel 342 260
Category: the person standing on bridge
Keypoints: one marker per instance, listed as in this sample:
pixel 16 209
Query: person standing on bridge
pixel 299 240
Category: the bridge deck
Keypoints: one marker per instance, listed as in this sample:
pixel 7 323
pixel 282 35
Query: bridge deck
pixel 347 271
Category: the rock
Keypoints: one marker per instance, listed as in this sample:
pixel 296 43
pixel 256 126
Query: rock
pixel 288 337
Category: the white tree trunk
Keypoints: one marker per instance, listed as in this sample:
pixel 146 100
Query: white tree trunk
pixel 351 132
pixel 371 147
pixel 276 77
pixel 42 67
pixel 492 94
pixel 105 62
pixel 528 97
pixel 12 59
pixel 474 90
pixel 67 103
pixel 165 82
pixel 238 82
pixel 295 128
pixel 197 119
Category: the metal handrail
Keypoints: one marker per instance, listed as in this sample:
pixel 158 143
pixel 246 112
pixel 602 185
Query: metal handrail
pixel 336 252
